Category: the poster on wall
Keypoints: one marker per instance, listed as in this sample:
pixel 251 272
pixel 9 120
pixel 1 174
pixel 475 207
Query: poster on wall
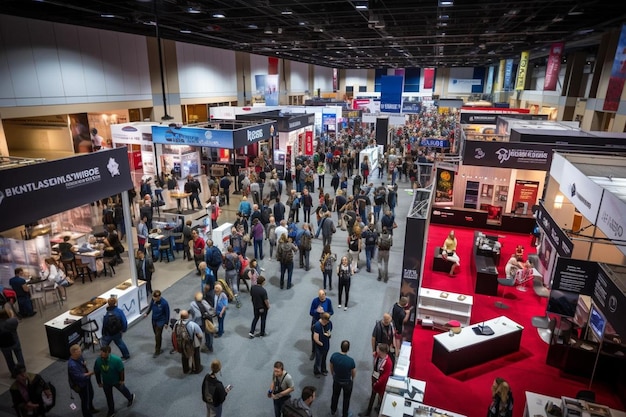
pixel 524 196
pixel 412 267
pixel 444 190
pixel 308 142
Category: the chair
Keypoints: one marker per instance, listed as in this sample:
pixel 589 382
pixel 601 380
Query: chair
pixel 539 288
pixel 90 336
pixel 505 282
pixel 165 248
pixel 55 293
pixel 178 241
pixel 69 265
pixel 83 269
pixel 545 326
pixel 37 299
pixel 108 261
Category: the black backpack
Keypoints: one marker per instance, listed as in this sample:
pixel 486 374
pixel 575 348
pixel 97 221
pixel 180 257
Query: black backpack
pixel 354 244
pixel 370 239
pixel 229 263
pixel 266 212
pixel 113 324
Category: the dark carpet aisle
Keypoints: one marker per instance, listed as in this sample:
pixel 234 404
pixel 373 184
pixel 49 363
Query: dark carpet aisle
pixel 163 390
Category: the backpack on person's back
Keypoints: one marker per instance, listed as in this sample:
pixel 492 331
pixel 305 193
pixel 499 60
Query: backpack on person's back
pixel 305 241
pixel 384 243
pixel 112 324
pixel 184 343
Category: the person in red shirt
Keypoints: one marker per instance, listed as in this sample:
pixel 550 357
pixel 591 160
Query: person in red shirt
pixel 198 249
pixel 382 371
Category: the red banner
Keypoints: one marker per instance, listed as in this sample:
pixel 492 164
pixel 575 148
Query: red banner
pixel 618 75
pixel 553 67
pixel 308 147
pixel 429 78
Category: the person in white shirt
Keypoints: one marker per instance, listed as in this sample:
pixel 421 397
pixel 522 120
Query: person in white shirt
pixel 96 140
pixel 281 230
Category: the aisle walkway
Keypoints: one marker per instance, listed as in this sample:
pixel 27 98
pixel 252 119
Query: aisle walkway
pixel 162 388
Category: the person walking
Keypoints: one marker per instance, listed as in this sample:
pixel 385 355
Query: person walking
pixel 213 257
pixel 189 338
pixel 109 370
pixel 327 261
pixel 145 269
pixel 327 227
pixel 380 376
pixel 213 391
pixel 344 272
pixel 114 324
pixel 260 305
pixel 320 304
pixel 343 370
pixel 321 336
pixel 11 347
pixel 80 380
pixel 160 310
pixel 225 183
pixel 501 399
pixel 281 388
pixel 385 241
pixel 198 245
pixel 142 233
pixel 220 302
pixel 304 245
pixel 370 237
pixel 201 311
pixel 258 232
pixel 284 255
pixel 297 407
pixel 186 239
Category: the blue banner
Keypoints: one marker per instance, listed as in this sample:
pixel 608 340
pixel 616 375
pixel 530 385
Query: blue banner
pixel 192 136
pixel 508 75
pixel 489 85
pixel 391 94
pixel 435 143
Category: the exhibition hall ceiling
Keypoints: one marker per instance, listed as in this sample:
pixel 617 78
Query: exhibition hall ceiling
pixel 351 33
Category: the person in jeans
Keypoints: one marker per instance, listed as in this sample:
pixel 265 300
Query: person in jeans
pixel 109 370
pixel 284 255
pixel 321 336
pixel 260 305
pixel 343 370
pixel 114 335
pixel 160 310
pixel 257 236
pixel 80 380
pixel 281 388
pixel 344 272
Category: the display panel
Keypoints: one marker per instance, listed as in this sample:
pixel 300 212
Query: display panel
pixel 562 303
pixel 597 322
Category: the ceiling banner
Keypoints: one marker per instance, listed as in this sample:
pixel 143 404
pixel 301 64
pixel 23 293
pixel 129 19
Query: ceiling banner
pixel 618 75
pixel 522 70
pixel 553 67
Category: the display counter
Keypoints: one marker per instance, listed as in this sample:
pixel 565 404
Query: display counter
pixel 478 219
pixel 443 306
pixel 536 405
pixel 484 264
pixel 454 352
pixel 65 329
pixel 394 405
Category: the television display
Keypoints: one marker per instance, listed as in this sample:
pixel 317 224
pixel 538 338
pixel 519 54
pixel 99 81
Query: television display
pixel 562 303
pixel 597 322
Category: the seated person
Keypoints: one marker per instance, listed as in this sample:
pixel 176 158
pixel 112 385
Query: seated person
pixel 66 249
pixel 519 253
pixel 113 241
pixel 32 396
pixel 448 251
pixel 55 276
pixel 512 266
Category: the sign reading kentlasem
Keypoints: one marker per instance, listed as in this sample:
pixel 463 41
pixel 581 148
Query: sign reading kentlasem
pixel 31 192
pixel 515 155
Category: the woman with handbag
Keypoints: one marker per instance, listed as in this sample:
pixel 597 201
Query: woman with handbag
pixel 202 313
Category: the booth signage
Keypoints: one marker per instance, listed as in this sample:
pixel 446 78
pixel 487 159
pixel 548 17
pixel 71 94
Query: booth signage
pixel 508 155
pixel 612 218
pixel 32 192
pixel 555 235
pixel 611 300
pixel 575 275
pixel 435 143
pixel 192 136
pixel 252 134
pixel 411 107
pixel 584 194
pixel 295 122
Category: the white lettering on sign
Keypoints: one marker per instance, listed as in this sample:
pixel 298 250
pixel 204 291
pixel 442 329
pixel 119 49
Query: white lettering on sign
pixel 254 135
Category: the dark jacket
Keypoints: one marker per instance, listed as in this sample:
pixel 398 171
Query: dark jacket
pixel 120 314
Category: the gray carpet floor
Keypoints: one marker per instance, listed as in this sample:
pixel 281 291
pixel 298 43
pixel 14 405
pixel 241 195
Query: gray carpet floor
pixel 163 390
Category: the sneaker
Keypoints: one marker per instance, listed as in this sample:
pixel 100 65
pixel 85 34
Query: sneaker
pixel 125 358
pixel 262 269
pixel 339 305
pixel 345 309
pixel 251 336
pixel 132 400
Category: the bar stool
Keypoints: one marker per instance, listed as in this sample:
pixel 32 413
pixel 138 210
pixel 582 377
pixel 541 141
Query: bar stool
pixel 37 299
pixel 69 265
pixel 83 269
pixel 90 335
pixel 108 262
pixel 55 293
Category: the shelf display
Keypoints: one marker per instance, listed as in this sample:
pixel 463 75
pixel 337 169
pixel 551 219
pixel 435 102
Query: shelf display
pixel 443 306
pixel 471 195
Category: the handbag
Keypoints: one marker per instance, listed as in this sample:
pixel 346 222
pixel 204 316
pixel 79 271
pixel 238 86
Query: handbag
pixel 209 326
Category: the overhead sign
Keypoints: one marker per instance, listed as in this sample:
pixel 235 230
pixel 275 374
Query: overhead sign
pixel 553 67
pixel 584 194
pixel 32 192
pixel 513 155
pixel 553 232
pixel 435 143
pixel 391 93
pixel 610 298
pixel 522 70
pixel 192 136
pixel 252 134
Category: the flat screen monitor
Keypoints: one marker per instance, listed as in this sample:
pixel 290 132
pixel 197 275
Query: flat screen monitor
pixel 597 322
pixel 562 303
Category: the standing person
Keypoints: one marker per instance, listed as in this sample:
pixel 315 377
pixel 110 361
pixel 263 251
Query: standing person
pixel 321 336
pixel 142 233
pixel 278 210
pixel 344 273
pixel 11 347
pixel 201 311
pixel 213 391
pixel 281 387
pixel 307 204
pixel 501 399
pixel 392 198
pixel 326 265
pixel 198 249
pixel 343 370
pixel 385 241
pixel 189 335
pixel 109 370
pixel 214 211
pixel 354 249
pixel 257 236
pixel 296 407
pixel 213 257
pixel 192 187
pixel 380 375
pixel 22 292
pixel 271 235
pixel 320 304
pixel 260 305
pixel 96 140
pixel 384 333
pixel 232 266
pixel 80 380
pixel 334 182
pixel 146 211
pixel 284 255
pixel 225 183
pixel 113 325
pixel 31 395
pixel 327 228
pixel 370 238
pixel 145 269
pixel 220 302
pixel 321 173
pixel 186 239
pixel 304 246
pixel 160 310
pixel 400 315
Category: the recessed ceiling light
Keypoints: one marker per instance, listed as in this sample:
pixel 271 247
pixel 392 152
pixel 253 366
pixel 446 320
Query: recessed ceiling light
pixel 194 10
pixel 302 23
pixel 107 15
pixel 446 3
pixel 286 12
pixel 252 26
pixel 219 15
pixel 268 30
pixel 185 31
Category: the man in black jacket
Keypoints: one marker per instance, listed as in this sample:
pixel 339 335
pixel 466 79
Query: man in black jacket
pixel 193 187
pixel 225 184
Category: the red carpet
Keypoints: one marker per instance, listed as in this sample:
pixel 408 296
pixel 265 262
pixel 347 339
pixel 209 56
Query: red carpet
pixel 468 392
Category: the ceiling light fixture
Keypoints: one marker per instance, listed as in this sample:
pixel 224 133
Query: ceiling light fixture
pixel 446 3
pixel 185 31
pixel 287 12
pixel 361 5
pixel 318 29
pixel 268 31
pixel 194 10
pixel 107 15
pixel 219 15
pixel 252 26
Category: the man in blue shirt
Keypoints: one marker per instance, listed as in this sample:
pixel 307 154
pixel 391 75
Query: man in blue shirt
pixel 320 304
pixel 343 370
pixel 22 292
pixel 80 380
pixel 160 310
pixel 321 336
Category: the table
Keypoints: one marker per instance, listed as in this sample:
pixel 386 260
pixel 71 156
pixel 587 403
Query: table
pixel 465 349
pixel 483 265
pixel 74 236
pixel 536 403
pixel 89 258
pixel 179 196
pixel 63 331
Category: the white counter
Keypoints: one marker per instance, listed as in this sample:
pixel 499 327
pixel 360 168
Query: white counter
pixel 500 325
pixel 401 368
pixel 536 403
pixel 397 406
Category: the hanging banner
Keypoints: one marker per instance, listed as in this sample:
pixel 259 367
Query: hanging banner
pixel 500 80
pixel 553 67
pixel 508 75
pixel 391 93
pixel 618 75
pixel 32 192
pixel 271 90
pixel 489 84
pixel 308 142
pixel 444 189
pixel 335 80
pixel 429 78
pixel 522 70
